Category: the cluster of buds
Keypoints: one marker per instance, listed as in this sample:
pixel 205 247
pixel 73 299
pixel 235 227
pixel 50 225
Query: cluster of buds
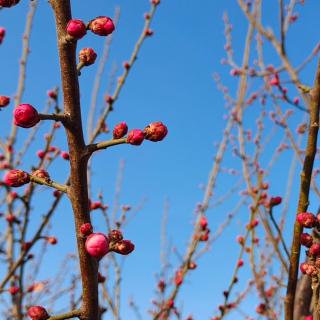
pixel 102 26
pixel 118 245
pixel 204 231
pixel 154 132
pixel 98 244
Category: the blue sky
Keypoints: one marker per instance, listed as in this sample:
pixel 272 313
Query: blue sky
pixel 171 82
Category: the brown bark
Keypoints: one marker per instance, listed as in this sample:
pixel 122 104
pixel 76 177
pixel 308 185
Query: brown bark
pixel 78 192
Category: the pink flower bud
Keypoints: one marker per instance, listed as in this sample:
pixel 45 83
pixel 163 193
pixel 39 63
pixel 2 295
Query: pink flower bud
pixel 96 205
pixel 135 137
pixel 123 247
pixel 178 278
pixel 274 201
pixel 120 130
pixel 203 223
pixel 13 290
pixel 240 240
pixel 2 34
pixel 76 28
pixel 115 236
pixel 4 100
pixel 306 240
pixel 16 178
pixel 97 245
pixel 65 155
pixel 52 240
pixel 87 56
pixel 192 265
pixel 25 116
pixel 308 317
pixel 275 81
pixel 315 249
pixel 41 154
pixel 311 270
pixel 240 263
pixel 306 219
pixel 155 2
pixel 155 131
pixel 102 26
pixel 38 313
pixel 86 229
pixel 8 3
pixel 41 173
pixel 52 94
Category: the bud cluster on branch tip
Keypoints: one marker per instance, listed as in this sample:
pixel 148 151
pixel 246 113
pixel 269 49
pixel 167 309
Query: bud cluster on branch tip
pixel 306 240
pixel 25 116
pixel 309 269
pixel 97 245
pixel 86 229
pixel 38 313
pixel 120 130
pixel 2 34
pixel 8 3
pixel 76 29
pixel 155 131
pixel 16 178
pixel 307 219
pixel 87 56
pixel 41 173
pixel 4 100
pixel 102 26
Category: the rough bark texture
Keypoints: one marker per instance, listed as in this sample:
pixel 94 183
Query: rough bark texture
pixel 78 192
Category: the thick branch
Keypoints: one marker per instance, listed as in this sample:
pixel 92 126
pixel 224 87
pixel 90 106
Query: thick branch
pixel 78 163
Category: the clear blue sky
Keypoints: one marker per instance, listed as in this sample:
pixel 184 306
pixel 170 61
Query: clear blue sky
pixel 171 82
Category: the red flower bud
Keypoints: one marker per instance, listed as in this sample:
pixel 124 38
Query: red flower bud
pixel 155 2
pixel 38 313
pixel 102 26
pixel 155 131
pixel 203 223
pixel 315 249
pixel 275 81
pixel 52 94
pixel 52 240
pixel 308 317
pixel 2 34
pixel 65 155
pixel 311 270
pixel 25 116
pixel 240 240
pixel 41 173
pixel 261 308
pixel 97 245
pixel 240 263
pixel 41 154
pixel 148 32
pixel 178 279
pixel 306 219
pixel 123 247
pixel 76 29
pixel 192 265
pixel 96 205
pixel 120 130
pixel 87 56
pixel 170 304
pixel 306 240
pixel 303 267
pixel 115 236
pixel 16 178
pixel 274 201
pixel 135 137
pixel 4 100
pixel 8 3
pixel 26 246
pixel 13 290
pixel 86 229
